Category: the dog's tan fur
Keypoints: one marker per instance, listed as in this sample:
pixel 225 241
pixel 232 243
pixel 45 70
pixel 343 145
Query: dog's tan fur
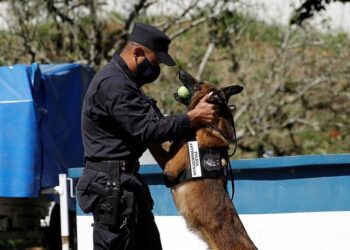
pixel 204 203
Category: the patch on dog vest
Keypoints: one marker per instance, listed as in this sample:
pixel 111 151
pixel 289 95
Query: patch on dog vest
pixel 211 162
pixel 195 161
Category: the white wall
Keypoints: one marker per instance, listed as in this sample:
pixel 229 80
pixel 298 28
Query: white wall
pixel 290 231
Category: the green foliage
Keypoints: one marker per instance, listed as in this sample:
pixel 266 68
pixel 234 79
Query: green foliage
pixel 197 52
pixel 322 142
pixel 275 64
pixel 181 64
pixel 337 42
pixel 221 28
pixel 259 31
pixel 211 76
pixel 16 244
pixel 116 16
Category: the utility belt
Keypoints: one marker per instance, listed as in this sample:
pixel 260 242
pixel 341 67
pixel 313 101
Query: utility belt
pixel 104 166
pixel 116 205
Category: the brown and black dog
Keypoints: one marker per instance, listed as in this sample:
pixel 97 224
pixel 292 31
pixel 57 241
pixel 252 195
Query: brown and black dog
pixel 205 203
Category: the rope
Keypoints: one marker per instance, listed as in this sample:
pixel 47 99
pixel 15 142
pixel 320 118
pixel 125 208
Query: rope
pixel 233 108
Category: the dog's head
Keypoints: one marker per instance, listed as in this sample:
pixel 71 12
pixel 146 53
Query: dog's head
pixel 199 89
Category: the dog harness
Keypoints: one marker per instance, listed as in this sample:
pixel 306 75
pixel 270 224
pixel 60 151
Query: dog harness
pixel 205 163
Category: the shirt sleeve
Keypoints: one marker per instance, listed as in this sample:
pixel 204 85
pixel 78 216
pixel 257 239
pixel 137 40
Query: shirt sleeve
pixel 134 115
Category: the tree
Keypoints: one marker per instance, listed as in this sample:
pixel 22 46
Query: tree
pixel 81 30
pixel 309 8
pixel 296 81
pixel 296 102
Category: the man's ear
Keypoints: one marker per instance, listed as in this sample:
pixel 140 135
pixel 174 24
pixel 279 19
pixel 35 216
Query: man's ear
pixel 232 90
pixel 138 52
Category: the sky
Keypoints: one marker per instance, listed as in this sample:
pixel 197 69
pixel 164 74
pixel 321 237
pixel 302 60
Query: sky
pixel 279 11
pixel 274 11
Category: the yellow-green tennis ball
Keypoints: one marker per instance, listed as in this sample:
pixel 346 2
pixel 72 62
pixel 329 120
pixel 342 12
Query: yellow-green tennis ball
pixel 183 92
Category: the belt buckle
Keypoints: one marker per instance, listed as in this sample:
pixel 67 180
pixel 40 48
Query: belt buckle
pixel 123 166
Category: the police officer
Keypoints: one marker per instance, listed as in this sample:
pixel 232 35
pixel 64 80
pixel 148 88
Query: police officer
pixel 118 124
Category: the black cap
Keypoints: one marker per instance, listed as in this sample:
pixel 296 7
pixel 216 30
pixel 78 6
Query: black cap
pixel 153 39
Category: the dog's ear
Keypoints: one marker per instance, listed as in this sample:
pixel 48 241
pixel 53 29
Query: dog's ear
pixel 232 90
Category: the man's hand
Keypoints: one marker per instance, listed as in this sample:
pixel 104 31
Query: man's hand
pixel 204 112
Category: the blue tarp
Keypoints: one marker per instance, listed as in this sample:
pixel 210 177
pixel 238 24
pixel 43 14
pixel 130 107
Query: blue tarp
pixel 40 134
pixel 19 141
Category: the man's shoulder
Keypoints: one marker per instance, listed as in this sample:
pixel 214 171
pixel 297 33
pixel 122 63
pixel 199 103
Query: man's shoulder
pixel 108 71
pixel 112 78
pixel 115 84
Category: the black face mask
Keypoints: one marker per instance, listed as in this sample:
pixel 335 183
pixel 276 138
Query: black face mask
pixel 146 72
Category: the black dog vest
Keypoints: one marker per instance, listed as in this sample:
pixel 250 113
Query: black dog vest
pixel 205 163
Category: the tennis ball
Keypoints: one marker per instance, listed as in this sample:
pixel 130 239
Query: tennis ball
pixel 183 92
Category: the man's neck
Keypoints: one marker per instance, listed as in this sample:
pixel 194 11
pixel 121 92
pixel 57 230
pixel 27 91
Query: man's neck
pixel 129 60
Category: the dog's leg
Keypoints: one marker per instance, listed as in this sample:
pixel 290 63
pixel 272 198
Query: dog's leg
pixel 209 211
pixel 177 164
pixel 160 154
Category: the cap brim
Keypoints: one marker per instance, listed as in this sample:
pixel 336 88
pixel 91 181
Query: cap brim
pixel 165 58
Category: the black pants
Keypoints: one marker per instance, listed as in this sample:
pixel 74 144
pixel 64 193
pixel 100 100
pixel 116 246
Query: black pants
pixel 141 235
pixel 145 233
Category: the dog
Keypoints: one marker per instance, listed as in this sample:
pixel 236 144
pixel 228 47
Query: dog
pixel 204 202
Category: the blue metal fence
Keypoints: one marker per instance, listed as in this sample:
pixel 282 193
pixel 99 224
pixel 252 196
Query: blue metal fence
pixel 309 183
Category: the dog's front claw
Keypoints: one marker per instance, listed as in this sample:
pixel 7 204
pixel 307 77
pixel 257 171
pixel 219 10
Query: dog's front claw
pixel 169 179
pixel 169 175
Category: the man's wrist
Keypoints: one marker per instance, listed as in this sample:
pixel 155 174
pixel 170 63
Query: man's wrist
pixel 192 118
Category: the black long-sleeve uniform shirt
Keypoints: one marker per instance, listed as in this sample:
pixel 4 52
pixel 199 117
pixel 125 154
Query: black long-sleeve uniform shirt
pixel 119 121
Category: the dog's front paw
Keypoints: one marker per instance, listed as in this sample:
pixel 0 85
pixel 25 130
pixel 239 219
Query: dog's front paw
pixel 170 176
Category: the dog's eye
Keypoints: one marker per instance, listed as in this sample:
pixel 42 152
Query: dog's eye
pixel 197 87
pixel 232 107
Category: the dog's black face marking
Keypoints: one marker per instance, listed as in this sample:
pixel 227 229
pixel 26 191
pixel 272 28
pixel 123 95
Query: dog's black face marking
pixel 188 81
pixel 219 97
